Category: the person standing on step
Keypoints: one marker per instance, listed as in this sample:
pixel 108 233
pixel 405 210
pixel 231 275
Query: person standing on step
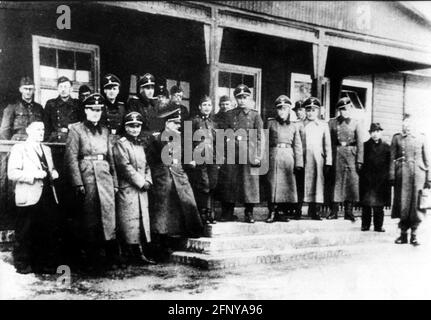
pixel 37 239
pixel 134 180
pixel 90 164
pixel 241 185
pixel 285 159
pixel 61 112
pixel 348 152
pixel 205 172
pixel 17 116
pixel 175 213
pixel 375 189
pixel 409 174
pixel 113 114
pixel 317 159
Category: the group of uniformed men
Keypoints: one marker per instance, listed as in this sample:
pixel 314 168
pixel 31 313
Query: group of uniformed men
pixel 115 164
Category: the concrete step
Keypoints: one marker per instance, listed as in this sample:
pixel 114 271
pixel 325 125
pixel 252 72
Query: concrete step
pixel 224 229
pixel 256 257
pixel 284 241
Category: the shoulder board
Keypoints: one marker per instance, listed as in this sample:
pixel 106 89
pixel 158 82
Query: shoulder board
pixel 123 139
pixel 120 102
pixel 134 97
pixel 270 119
pixel 254 110
pixel 155 134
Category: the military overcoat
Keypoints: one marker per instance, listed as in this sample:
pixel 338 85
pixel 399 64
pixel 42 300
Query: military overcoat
pixel 409 165
pixel 133 172
pixel 90 163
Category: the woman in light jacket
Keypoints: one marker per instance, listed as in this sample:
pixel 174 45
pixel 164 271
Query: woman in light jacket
pixel 134 179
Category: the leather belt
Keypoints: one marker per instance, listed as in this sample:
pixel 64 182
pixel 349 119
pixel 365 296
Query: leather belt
pixel 345 144
pixel 283 145
pixel 63 130
pixel 94 157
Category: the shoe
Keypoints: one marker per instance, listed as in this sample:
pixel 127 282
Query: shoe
pixel 366 229
pixel 350 217
pixel 401 239
pixel 210 216
pixel 248 217
pixel 271 217
pixel 332 216
pixel 316 217
pixel 414 241
pixel 379 230
pixel 24 270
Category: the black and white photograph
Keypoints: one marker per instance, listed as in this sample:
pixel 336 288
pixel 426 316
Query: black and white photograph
pixel 215 150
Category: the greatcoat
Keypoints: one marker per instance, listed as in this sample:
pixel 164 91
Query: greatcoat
pixel 410 160
pixel 132 202
pixel 317 148
pixel 98 177
pixel 285 154
pixel 240 184
pixel 175 211
pixel 347 139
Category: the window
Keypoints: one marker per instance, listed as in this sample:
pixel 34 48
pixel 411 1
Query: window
pixel 53 58
pixel 230 76
pixel 360 93
pixel 300 89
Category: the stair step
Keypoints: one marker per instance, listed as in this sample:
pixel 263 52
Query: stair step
pixel 223 229
pixel 283 241
pixel 220 261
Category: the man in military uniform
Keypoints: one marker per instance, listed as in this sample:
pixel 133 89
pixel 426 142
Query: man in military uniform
pixel 17 116
pixel 317 157
pixel 83 92
pixel 145 103
pixel 205 173
pixel 299 175
pixel 90 164
pixel 112 115
pixel 347 139
pixel 175 212
pixel 409 174
pixel 177 94
pixel 241 185
pixel 61 112
pixel 225 105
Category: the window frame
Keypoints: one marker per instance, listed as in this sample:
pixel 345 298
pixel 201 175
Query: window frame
pixel 54 43
pixel 302 77
pixel 251 71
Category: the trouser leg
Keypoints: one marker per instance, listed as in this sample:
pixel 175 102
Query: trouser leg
pixel 366 217
pixel 248 212
pixel 378 217
pixel 22 253
pixel 348 211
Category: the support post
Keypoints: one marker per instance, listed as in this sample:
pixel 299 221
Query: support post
pixel 320 53
pixel 213 39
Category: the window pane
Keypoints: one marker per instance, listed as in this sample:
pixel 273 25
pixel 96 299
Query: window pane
pixel 223 79
pixel 236 79
pixel 66 59
pixel 249 81
pixel 47 57
pixel 83 61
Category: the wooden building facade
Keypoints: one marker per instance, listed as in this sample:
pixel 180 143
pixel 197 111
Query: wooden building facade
pixel 371 49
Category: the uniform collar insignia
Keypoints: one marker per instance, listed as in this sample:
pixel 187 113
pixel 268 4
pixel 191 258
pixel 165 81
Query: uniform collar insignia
pixel 282 121
pixel 341 119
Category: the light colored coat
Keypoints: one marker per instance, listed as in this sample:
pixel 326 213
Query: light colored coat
pixel 97 176
pixel 410 162
pixel 317 148
pixel 132 202
pixel 22 165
